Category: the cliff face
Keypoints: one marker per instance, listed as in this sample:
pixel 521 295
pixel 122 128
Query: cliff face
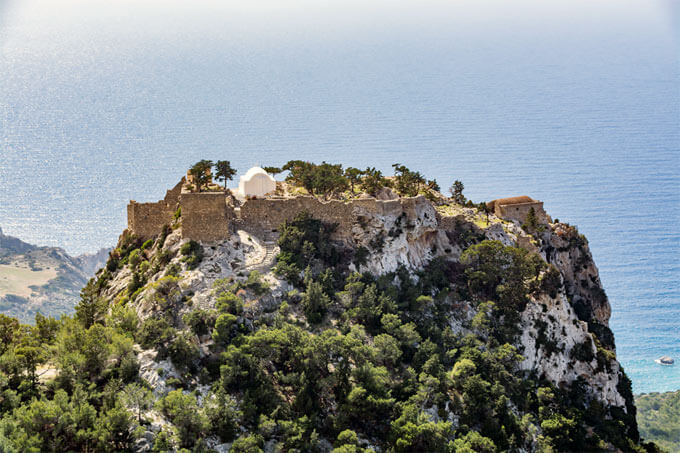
pixel 564 338
pixel 559 329
pixel 563 246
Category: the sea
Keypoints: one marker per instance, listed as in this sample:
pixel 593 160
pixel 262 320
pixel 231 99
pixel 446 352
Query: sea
pixel 576 103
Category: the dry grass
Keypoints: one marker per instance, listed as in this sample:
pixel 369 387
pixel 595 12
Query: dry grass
pixel 449 209
pixel 482 223
pixel 17 279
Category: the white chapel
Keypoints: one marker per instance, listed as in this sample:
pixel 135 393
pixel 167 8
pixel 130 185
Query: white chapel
pixel 256 183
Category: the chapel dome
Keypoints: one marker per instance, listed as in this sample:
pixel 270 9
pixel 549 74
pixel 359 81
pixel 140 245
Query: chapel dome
pixel 255 171
pixel 256 183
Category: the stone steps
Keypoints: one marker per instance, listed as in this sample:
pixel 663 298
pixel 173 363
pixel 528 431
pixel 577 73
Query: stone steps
pixel 271 250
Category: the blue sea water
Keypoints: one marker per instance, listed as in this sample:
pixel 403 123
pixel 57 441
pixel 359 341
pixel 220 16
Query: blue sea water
pixel 574 103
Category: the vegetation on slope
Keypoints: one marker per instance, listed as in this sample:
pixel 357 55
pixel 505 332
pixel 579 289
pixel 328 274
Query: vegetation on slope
pixel 659 419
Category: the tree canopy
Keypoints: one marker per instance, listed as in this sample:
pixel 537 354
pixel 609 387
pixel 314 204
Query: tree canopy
pixel 456 191
pixel 224 171
pixel 200 172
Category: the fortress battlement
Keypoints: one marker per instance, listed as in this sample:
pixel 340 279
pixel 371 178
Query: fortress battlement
pixel 213 216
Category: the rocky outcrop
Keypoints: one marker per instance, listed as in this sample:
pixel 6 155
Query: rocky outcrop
pixel 559 347
pixel 564 247
pixel 11 245
pixel 564 339
pixel 400 237
pixel 562 336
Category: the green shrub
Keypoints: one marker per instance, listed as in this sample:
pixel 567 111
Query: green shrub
pixel 361 256
pixel 165 231
pixel 112 263
pixel 163 257
pixel 223 414
pixel 315 302
pixel 288 271
pixel 504 273
pixel 304 240
pixel 173 270
pixel 135 258
pixel 173 382
pixel 128 242
pixel 144 267
pixel 136 283
pixel 228 302
pixel 225 329
pixel 251 443
pixel 473 442
pixel 200 321
pixel 155 332
pixel 256 283
pixel 583 351
pixel 192 252
pixel 183 411
pixel 184 352
pixel 551 281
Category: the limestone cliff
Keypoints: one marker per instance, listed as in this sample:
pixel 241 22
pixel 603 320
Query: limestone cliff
pixel 551 327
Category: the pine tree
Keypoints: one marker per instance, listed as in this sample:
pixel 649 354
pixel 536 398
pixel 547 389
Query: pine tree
pixel 200 172
pixel 224 172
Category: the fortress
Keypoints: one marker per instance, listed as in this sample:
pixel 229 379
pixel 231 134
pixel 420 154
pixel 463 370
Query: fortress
pixel 215 215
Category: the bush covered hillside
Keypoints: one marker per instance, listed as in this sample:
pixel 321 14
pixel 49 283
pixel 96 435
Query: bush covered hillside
pixel 659 419
pixel 410 337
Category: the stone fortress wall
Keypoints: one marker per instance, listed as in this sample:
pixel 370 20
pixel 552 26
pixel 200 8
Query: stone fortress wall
pixel 266 214
pixel 520 212
pixel 210 216
pixel 147 219
pixel 205 216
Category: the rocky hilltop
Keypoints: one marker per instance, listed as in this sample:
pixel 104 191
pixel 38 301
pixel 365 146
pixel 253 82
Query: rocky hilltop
pixel 556 337
pixel 415 323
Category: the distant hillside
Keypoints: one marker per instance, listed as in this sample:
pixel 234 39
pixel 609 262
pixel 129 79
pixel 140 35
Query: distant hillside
pixel 659 419
pixel 44 279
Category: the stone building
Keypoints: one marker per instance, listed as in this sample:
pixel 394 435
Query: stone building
pixel 517 208
pixel 256 183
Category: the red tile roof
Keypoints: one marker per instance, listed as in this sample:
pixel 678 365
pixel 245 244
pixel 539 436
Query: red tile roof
pixel 514 200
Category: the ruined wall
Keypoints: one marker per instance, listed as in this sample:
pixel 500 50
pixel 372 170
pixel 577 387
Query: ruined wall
pixel 262 216
pixel 205 216
pixel 172 195
pixel 147 219
pixel 520 211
